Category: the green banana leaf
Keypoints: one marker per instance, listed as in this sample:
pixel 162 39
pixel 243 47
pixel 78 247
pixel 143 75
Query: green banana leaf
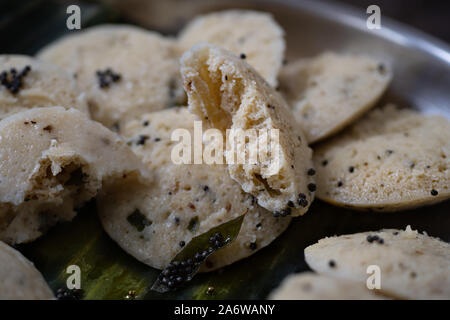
pixel 107 272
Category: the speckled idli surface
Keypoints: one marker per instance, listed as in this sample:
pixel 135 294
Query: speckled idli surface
pixel 27 83
pixel 332 90
pixel 392 159
pixel 411 265
pixel 253 35
pixel 125 70
pixel 53 160
pixel 154 223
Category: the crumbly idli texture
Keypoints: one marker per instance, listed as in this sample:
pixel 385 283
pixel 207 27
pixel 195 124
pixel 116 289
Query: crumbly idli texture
pixel 187 200
pixel 46 85
pixel 226 93
pixel 146 62
pixel 412 265
pixel 255 34
pixel 19 279
pixel 313 286
pixel 330 91
pixel 392 159
pixel 53 160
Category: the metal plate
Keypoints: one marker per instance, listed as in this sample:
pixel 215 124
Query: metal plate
pixel 421 80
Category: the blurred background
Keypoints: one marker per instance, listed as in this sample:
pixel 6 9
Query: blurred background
pixel 432 17
pixel 27 24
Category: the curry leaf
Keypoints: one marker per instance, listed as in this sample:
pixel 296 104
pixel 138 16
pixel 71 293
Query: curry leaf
pixel 138 220
pixel 193 223
pixel 188 261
